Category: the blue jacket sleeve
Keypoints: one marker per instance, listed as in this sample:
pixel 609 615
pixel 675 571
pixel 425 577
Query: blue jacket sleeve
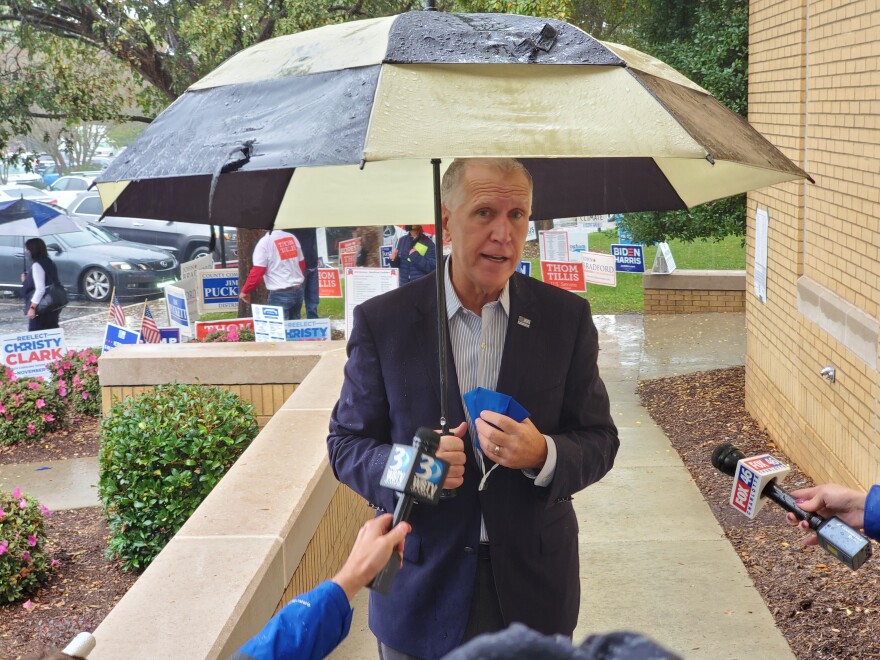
pixel 309 626
pixel 425 264
pixel 872 513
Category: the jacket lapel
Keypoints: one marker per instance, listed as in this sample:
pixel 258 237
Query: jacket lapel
pixel 520 334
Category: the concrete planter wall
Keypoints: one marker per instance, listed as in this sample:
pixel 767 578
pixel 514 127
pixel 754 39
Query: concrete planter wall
pixel 277 524
pixel 690 291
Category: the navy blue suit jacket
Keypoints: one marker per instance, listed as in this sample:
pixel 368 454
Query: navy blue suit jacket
pixel 391 388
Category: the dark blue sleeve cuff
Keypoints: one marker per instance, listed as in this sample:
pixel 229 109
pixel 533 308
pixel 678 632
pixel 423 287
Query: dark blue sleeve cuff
pixel 872 513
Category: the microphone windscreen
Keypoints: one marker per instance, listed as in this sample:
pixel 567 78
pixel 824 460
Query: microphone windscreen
pixel 725 457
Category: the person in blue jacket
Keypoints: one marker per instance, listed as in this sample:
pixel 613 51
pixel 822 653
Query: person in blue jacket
pixel 415 255
pixel 314 623
pixel 853 507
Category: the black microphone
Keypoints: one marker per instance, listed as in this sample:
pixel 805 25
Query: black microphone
pixel 835 536
pixel 417 474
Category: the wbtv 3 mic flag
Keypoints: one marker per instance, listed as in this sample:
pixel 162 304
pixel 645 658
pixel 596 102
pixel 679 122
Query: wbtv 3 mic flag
pixel 755 479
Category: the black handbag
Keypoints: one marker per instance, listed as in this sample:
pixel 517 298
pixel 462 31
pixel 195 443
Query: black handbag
pixel 53 300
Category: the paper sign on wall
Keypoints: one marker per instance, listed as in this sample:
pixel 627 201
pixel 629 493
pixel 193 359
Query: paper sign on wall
pixel 361 284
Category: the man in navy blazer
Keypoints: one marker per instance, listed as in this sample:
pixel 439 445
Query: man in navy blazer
pixel 505 551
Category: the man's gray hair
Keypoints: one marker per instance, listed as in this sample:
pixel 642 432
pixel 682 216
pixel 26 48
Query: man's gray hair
pixel 450 186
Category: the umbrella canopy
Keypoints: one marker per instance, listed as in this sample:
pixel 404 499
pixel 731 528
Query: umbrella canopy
pixel 336 127
pixel 24 217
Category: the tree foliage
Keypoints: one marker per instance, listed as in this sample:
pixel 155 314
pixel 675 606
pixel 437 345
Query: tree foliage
pixel 707 42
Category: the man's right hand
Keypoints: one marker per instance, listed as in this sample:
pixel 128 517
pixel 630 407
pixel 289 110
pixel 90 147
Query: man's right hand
pixel 245 297
pixel 451 450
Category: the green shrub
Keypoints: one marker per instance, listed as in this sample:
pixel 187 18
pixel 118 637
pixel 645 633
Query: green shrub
pixel 24 562
pixel 76 377
pixel 29 408
pixel 161 454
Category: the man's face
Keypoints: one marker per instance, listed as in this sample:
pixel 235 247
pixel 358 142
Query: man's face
pixel 487 225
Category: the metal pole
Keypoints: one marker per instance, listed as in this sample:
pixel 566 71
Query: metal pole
pixel 429 5
pixel 222 247
pixel 442 329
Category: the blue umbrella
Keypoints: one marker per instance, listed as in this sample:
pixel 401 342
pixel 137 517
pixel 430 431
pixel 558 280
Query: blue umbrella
pixel 24 217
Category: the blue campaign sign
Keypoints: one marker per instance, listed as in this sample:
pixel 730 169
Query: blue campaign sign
pixel 219 289
pixel 385 256
pixel 117 336
pixel 624 237
pixel 525 267
pixel 628 258
pixel 307 330
pixel 177 308
pixel 169 335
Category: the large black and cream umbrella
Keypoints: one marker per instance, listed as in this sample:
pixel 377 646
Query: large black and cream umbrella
pixel 350 124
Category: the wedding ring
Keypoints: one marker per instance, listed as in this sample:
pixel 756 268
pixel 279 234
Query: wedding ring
pixel 497 450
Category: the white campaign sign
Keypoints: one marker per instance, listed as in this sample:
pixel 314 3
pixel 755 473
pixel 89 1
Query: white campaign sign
pixel 178 312
pixel 578 242
pixel 269 323
pixel 28 353
pixel 361 284
pixel 600 268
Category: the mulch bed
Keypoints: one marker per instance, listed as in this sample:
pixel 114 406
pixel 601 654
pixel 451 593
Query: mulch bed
pixel 823 609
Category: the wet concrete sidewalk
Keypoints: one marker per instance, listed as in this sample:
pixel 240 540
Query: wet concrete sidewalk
pixel 653 558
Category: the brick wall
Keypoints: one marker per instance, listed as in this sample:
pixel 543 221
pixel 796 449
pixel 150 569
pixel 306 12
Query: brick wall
pixel 814 72
pixel 665 301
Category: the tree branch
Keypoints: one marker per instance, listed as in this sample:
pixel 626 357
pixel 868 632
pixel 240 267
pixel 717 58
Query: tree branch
pixel 49 115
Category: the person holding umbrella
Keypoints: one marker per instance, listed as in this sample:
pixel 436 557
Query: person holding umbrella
pixel 504 549
pixel 415 254
pixel 34 283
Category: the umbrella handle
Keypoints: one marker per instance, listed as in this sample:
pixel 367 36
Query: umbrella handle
pixel 442 330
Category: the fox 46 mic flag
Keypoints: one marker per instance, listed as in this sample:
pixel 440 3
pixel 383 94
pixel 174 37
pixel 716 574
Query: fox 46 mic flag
pixel 751 477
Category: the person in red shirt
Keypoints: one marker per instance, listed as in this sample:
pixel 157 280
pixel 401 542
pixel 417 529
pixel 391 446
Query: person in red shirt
pixel 279 262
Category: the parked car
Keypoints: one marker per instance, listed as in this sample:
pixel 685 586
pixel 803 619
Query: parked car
pixel 52 172
pixel 17 191
pixel 91 262
pixel 183 239
pixel 17 175
pixel 67 188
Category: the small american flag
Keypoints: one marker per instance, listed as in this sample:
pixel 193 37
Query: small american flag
pixel 149 330
pixel 117 314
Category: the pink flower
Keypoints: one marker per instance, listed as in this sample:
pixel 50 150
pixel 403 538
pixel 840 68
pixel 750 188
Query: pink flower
pixel 31 540
pixel 54 563
pixel 62 391
pixel 45 510
pixel 31 429
pixel 28 605
pixel 60 372
pixel 48 417
pixel 16 493
pixel 2 512
pixel 3 546
pixel 2 409
pixel 26 555
pixel 33 385
pixel 75 379
pixel 66 365
pixel 85 395
pixel 92 358
pixel 22 503
pixel 40 403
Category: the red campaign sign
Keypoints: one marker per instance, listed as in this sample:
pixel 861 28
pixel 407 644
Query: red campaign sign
pixel 348 251
pixel 568 275
pixel 328 283
pixel 286 246
pixel 205 328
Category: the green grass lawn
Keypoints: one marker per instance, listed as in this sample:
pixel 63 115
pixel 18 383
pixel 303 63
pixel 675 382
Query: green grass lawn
pixel 626 297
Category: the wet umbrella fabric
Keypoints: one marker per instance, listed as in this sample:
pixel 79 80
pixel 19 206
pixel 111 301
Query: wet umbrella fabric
pixel 23 217
pixel 336 127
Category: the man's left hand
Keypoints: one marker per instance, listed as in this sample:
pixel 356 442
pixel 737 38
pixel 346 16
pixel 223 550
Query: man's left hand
pixel 244 297
pixel 516 445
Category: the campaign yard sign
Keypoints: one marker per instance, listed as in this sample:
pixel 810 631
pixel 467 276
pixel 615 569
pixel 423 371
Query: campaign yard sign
pixel 116 336
pixel 329 285
pixel 307 330
pixel 218 289
pixel 205 328
pixel 348 251
pixel 269 323
pixel 525 267
pixel 178 315
pixel 566 275
pixel 599 268
pixel 28 354
pixel 628 258
pixel 385 256
pixel 169 335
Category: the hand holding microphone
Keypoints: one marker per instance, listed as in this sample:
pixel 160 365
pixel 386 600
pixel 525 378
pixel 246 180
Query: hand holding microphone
pixel 754 481
pixel 830 500
pixel 417 475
